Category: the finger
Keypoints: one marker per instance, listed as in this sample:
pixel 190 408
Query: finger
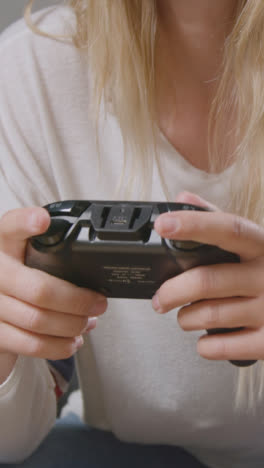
pixel 241 345
pixel 225 230
pixel 193 199
pixel 16 226
pixel 209 282
pixel 42 321
pixel 222 313
pixel 47 292
pixel 19 341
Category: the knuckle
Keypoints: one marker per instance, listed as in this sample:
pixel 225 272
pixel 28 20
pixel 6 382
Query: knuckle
pixel 238 227
pixel 34 320
pixel 190 225
pixel 52 348
pixel 36 347
pixel 212 316
pixel 205 281
pixel 221 350
pixel 181 317
pixel 39 290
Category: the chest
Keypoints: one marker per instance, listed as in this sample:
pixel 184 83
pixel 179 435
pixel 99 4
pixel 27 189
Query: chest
pixel 188 134
pixel 186 124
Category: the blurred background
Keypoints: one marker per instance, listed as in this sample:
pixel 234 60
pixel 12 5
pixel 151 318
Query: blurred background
pixel 12 10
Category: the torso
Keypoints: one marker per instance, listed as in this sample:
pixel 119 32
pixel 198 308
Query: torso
pixel 188 135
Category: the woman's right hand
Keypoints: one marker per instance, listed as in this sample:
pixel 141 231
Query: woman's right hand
pixel 40 315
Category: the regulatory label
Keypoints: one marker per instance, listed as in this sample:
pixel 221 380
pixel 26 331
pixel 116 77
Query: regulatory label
pixel 126 274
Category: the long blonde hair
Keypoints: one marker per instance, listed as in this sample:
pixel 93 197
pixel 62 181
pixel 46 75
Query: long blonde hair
pixel 119 37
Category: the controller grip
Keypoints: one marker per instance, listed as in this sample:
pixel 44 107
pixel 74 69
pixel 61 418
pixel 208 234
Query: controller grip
pixel 243 363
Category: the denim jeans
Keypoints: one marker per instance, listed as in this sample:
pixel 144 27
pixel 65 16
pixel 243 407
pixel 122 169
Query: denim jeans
pixel 72 444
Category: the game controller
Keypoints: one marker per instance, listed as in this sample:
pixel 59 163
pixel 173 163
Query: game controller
pixel 113 248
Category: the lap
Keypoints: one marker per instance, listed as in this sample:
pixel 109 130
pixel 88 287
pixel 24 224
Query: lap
pixel 72 444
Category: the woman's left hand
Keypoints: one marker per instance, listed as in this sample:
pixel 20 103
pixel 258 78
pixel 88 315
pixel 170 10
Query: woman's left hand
pixel 219 296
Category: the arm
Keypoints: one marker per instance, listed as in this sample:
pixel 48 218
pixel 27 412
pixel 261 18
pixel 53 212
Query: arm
pixel 27 409
pixel 38 319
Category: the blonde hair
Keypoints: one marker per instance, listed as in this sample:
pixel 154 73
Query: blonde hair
pixel 119 37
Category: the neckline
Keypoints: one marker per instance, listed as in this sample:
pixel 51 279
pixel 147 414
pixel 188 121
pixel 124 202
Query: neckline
pixel 172 152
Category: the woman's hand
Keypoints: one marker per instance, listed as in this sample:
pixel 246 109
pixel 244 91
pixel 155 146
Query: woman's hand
pixel 223 295
pixel 40 315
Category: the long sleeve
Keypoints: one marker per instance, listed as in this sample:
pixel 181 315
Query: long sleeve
pixel 28 396
pixel 27 409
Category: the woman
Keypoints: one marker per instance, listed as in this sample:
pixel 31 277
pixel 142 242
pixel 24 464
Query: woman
pixel 182 104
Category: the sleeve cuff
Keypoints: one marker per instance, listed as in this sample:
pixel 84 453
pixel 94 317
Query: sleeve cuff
pixel 14 377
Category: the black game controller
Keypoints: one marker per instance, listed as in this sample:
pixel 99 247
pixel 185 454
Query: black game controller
pixel 112 248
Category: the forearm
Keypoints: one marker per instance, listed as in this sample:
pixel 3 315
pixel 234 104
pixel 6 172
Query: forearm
pixel 27 409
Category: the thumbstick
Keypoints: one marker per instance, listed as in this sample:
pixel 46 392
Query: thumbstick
pixel 56 232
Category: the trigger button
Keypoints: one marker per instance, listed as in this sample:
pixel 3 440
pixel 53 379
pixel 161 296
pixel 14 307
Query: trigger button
pixel 68 208
pixel 55 234
pixel 185 245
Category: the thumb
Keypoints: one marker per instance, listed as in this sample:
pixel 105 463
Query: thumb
pixel 16 226
pixel 193 199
